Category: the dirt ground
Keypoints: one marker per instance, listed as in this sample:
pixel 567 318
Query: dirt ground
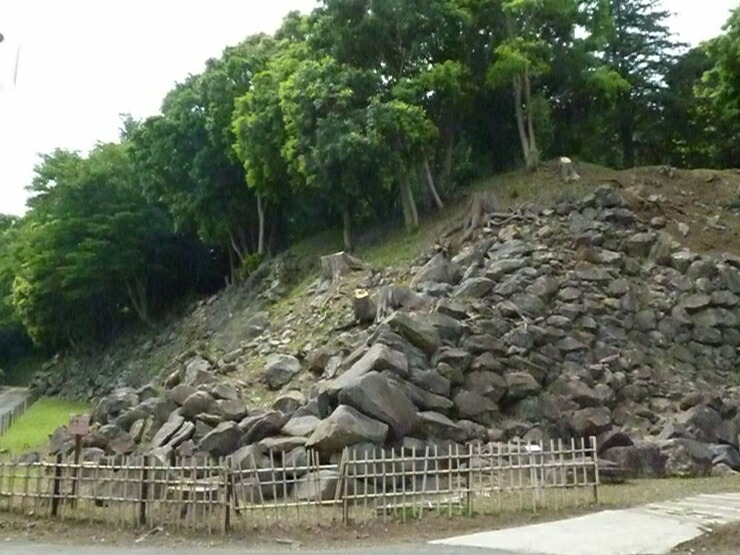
pixel 724 540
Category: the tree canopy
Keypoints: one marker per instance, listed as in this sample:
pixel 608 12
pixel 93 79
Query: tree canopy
pixel 361 111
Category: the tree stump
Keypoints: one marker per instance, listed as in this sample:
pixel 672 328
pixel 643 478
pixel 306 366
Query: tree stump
pixel 567 172
pixel 333 266
pixel 363 306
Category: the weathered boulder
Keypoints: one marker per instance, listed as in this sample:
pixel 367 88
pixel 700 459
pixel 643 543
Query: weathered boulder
pixel 181 392
pixel 318 485
pixel 222 440
pixel 438 426
pixel 165 433
pixel 225 391
pixel 520 385
pixel 475 407
pixel 378 358
pixel 346 426
pixel 372 395
pixel 439 269
pixel 301 426
pixel 289 402
pixel 258 427
pixel 280 370
pixel 198 371
pixel 642 460
pixel 701 423
pixel 590 421
pixel 475 287
pixel 198 403
pixel 232 409
pixel 687 458
pixel 417 331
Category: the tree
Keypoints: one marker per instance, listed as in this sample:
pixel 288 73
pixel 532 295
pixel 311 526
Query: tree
pixel 91 249
pixel 259 130
pixel 720 91
pixel 639 48
pixel 535 29
pixel 327 149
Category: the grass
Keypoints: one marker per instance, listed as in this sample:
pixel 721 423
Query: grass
pixel 31 431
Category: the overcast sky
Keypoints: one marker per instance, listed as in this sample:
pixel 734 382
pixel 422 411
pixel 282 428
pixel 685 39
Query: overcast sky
pixel 84 62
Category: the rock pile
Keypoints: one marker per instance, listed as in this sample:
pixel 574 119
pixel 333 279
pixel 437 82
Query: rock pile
pixel 573 321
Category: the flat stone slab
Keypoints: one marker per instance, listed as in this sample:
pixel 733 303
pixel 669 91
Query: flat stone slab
pixel 649 529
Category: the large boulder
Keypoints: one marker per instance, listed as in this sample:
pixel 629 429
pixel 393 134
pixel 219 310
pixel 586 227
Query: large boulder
pixel 520 385
pixel 165 433
pixel 439 269
pixel 258 427
pixel 372 395
pixel 198 371
pixel 590 421
pixel 222 440
pixel 641 460
pixel 197 403
pixel 318 485
pixel 280 370
pixel 378 358
pixel 301 426
pixel 701 423
pixel 346 426
pixel 289 402
pixel 417 331
pixel 433 425
pixel 181 392
pixel 113 405
pixel 687 458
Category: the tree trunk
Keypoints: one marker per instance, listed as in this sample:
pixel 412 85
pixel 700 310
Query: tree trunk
pixel 363 306
pixel 534 156
pixel 261 216
pixel 520 117
pixel 430 183
pixel 137 294
pixel 347 229
pixel 410 214
pixel 446 171
pixel 626 135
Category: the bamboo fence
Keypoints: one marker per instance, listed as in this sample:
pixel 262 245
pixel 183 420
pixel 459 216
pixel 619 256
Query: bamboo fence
pixel 216 496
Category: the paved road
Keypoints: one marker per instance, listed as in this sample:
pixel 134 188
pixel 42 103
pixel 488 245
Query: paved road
pixel 649 529
pixel 33 549
pixel 10 397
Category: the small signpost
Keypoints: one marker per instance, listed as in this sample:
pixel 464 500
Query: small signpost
pixel 79 426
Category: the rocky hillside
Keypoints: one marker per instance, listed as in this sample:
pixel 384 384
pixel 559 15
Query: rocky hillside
pixel 583 318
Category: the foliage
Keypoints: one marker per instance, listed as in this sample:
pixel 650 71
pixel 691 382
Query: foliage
pixel 361 111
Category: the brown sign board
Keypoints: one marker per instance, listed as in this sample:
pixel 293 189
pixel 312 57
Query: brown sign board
pixel 79 424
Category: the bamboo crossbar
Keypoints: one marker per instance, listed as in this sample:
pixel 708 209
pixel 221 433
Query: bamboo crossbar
pixel 216 495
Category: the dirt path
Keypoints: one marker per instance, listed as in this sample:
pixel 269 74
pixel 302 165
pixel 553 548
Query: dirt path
pixel 654 528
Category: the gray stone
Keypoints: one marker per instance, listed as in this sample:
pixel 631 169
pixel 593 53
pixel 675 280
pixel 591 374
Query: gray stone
pixel 545 287
pixel 257 428
pixel 590 421
pixel 346 426
pixel 225 391
pixel 486 383
pixel 372 395
pixel 686 458
pixel 475 288
pixel 439 269
pixel 435 425
pixel 280 370
pixel 198 371
pixel 378 358
pixel 639 244
pixel 222 440
pixel 474 407
pixel 318 485
pixel 235 410
pixel 520 385
pixel 417 331
pixel 301 426
pixel 169 429
pixel 289 402
pixel 198 403
pixel 181 392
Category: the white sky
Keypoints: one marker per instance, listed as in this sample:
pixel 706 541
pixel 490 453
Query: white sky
pixel 83 62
